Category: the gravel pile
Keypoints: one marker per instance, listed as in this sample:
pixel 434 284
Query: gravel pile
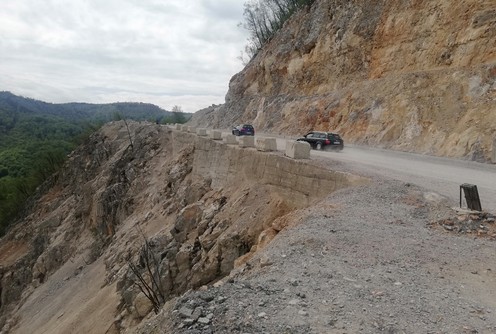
pixel 363 260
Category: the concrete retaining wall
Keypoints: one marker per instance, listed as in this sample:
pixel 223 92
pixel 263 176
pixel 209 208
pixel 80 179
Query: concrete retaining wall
pixel 295 179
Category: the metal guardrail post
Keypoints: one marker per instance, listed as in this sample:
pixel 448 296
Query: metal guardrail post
pixel 471 196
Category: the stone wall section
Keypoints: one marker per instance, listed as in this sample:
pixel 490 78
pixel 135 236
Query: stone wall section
pixel 226 164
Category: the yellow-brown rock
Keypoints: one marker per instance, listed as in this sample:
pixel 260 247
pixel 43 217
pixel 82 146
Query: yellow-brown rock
pixel 415 75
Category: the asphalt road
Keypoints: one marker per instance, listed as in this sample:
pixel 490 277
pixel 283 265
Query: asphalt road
pixel 440 175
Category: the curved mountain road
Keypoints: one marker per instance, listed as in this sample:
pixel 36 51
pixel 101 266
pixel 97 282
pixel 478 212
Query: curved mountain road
pixel 440 175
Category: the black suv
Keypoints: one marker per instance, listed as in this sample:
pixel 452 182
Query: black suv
pixel 323 140
pixel 243 130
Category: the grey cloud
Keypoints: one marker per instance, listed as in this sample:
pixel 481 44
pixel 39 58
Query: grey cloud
pixel 176 51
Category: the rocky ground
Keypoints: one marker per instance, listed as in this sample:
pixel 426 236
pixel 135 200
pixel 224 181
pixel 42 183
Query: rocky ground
pixel 239 252
pixel 369 259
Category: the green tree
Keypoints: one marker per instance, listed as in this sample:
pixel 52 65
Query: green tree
pixel 263 18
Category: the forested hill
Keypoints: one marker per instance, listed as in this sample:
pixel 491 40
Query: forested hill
pixel 12 104
pixel 35 138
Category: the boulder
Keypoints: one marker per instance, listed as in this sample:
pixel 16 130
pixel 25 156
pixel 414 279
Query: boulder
pixel 142 305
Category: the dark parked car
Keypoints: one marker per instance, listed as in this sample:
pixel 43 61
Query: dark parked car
pixel 323 140
pixel 243 130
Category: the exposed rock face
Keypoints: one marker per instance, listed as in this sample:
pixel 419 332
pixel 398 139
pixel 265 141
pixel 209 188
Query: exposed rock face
pixel 183 209
pixel 409 75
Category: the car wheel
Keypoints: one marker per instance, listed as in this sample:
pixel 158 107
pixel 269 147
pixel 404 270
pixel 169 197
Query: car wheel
pixel 318 146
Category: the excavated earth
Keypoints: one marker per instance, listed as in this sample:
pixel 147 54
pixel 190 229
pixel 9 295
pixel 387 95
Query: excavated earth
pixel 241 241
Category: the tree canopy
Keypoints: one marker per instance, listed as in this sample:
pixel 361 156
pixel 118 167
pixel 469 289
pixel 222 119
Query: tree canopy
pixel 263 18
pixel 35 138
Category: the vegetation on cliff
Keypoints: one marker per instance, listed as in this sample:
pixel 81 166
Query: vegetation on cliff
pixel 263 18
pixel 35 138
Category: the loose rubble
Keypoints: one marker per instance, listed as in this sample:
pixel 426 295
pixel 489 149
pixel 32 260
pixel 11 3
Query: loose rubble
pixel 471 223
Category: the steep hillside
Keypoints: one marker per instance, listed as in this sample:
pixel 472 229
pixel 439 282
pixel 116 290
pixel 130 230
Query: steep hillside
pixel 18 107
pixel 200 207
pixel 408 75
pixel 35 138
pixel 163 231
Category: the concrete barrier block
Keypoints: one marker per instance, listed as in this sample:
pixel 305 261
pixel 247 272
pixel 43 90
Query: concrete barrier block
pixel 179 127
pixel 247 141
pixel 191 129
pixel 184 128
pixel 201 132
pixel 298 149
pixel 231 140
pixel 216 135
pixel 266 144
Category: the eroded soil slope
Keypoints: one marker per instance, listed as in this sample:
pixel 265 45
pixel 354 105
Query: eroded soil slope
pixel 193 207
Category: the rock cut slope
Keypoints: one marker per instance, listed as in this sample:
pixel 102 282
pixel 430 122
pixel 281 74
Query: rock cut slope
pixel 416 75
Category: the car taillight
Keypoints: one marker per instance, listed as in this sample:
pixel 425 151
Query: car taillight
pixel 327 141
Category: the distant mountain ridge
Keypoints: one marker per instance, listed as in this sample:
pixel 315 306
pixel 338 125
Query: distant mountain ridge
pixel 76 111
pixel 36 137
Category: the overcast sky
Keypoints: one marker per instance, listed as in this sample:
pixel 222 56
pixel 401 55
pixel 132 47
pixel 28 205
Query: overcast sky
pixel 165 52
